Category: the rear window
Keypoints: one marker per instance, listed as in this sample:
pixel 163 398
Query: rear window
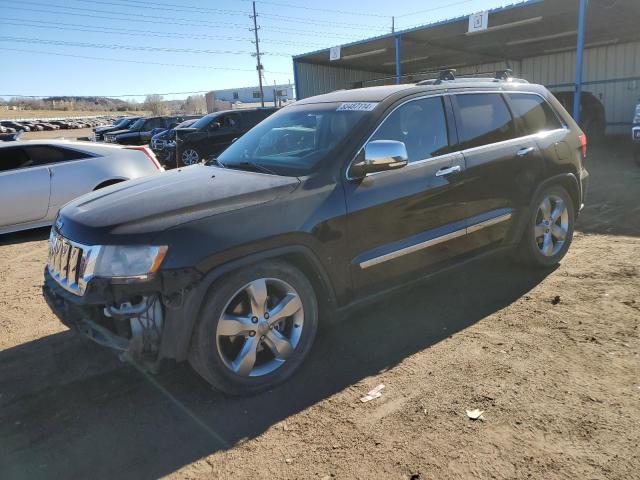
pixel 533 113
pixel 483 118
pixel 42 155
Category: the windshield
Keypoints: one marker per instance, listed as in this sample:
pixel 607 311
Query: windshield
pixel 292 141
pixel 186 123
pixel 122 122
pixel 137 124
pixel 203 122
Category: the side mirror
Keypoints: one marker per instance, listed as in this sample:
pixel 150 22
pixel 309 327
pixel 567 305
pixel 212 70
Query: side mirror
pixel 379 156
pixel 215 126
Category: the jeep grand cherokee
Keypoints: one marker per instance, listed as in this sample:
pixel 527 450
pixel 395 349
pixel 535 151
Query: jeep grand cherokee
pixel 328 202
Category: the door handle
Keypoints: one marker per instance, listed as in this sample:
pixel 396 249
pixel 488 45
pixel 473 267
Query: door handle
pixel 523 152
pixel 448 171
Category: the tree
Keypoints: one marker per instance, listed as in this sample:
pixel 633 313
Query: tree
pixel 155 104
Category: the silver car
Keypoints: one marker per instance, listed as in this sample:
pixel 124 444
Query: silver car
pixel 37 177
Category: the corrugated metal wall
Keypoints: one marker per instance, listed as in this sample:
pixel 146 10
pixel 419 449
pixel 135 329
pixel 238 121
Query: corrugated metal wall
pixel 611 73
pixel 317 79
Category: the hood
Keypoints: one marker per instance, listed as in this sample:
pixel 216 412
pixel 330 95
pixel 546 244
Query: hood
pixel 138 210
pixel 118 132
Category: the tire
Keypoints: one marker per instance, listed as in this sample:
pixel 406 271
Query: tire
pixel 190 156
pixel 238 354
pixel 535 249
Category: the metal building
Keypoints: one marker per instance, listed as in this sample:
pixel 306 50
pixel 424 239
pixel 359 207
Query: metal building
pixel 540 40
pixel 282 92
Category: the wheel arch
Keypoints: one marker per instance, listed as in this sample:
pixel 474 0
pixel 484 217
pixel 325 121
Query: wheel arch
pixel 299 256
pixel 107 183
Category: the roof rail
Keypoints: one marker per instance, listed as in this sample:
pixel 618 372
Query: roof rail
pixel 505 74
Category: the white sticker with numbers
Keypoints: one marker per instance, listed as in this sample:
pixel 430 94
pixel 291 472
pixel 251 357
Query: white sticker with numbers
pixel 357 107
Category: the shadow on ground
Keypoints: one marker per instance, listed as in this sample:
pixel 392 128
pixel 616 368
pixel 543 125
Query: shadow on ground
pixel 68 409
pixel 25 236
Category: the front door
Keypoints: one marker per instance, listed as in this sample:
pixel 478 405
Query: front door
pixel 409 220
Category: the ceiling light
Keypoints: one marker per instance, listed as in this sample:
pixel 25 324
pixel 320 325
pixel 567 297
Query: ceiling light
pixel 540 39
pixel 519 23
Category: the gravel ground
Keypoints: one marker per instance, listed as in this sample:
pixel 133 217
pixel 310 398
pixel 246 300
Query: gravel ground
pixel 552 358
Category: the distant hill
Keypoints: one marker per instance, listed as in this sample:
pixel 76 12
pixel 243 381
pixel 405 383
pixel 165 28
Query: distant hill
pixel 106 102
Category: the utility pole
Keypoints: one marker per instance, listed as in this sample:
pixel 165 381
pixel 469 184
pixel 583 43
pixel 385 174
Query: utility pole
pixel 257 42
pixel 393 24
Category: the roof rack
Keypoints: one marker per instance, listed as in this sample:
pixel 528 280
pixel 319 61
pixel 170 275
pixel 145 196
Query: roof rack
pixel 449 75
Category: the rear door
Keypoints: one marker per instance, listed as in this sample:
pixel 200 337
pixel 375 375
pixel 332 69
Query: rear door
pixel 410 220
pixel 501 163
pixel 24 188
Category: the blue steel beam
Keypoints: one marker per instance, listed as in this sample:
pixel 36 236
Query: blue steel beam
pixel 579 59
pixel 398 61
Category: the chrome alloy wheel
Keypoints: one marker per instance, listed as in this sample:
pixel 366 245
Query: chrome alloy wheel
pixel 552 225
pixel 260 327
pixel 190 157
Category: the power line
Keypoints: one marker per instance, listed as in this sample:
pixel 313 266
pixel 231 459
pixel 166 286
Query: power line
pixel 137 33
pixel 131 47
pixel 316 9
pixel 433 9
pixel 206 67
pixel 174 22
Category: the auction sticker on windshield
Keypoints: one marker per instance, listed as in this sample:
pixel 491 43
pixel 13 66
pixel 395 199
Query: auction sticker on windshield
pixel 357 107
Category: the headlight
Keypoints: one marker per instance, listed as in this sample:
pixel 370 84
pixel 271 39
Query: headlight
pixel 129 261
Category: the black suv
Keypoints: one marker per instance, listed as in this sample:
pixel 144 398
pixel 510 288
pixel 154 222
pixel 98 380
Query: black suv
pixel 328 202
pixel 210 135
pixel 163 144
pixel 139 132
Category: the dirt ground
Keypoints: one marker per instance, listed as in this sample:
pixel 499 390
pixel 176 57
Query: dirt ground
pixel 68 134
pixel 552 358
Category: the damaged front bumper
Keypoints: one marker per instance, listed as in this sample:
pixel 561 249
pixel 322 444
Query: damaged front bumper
pixel 129 318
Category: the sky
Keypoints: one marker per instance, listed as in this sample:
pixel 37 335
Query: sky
pixel 131 48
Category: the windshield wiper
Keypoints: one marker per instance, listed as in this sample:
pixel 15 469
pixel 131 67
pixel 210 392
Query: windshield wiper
pixel 215 161
pixel 252 166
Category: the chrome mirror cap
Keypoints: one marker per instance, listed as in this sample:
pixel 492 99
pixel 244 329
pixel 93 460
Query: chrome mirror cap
pixel 379 156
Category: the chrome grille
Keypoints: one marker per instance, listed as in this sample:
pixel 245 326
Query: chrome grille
pixel 71 264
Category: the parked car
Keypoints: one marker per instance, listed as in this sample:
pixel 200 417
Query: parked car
pixel 37 177
pixel 163 144
pixel 635 134
pixel 121 124
pixel 214 132
pixel 593 120
pixel 15 125
pixel 139 133
pixel 329 202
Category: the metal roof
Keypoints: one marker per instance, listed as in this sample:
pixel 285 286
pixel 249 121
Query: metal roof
pixel 526 29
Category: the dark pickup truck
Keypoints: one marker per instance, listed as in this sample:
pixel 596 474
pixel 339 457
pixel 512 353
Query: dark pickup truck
pixel 213 133
pixel 121 124
pixel 139 133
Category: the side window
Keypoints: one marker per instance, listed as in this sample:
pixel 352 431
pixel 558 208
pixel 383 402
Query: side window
pixel 12 158
pixel 533 112
pixel 230 121
pixel 421 125
pixel 483 119
pixel 42 155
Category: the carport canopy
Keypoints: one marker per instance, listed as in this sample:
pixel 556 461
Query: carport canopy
pixel 526 29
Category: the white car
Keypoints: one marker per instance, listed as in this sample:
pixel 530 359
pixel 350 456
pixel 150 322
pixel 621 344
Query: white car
pixel 37 177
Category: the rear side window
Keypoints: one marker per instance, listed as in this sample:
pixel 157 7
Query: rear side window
pixel 42 155
pixel 533 113
pixel 421 125
pixel 483 118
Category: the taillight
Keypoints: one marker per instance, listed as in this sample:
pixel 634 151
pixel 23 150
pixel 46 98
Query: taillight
pixel 583 145
pixel 148 153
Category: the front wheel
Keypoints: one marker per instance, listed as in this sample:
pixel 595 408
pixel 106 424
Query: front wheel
pixel 549 230
pixel 190 156
pixel 255 328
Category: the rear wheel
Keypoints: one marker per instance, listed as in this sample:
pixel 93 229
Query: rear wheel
pixel 255 328
pixel 549 230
